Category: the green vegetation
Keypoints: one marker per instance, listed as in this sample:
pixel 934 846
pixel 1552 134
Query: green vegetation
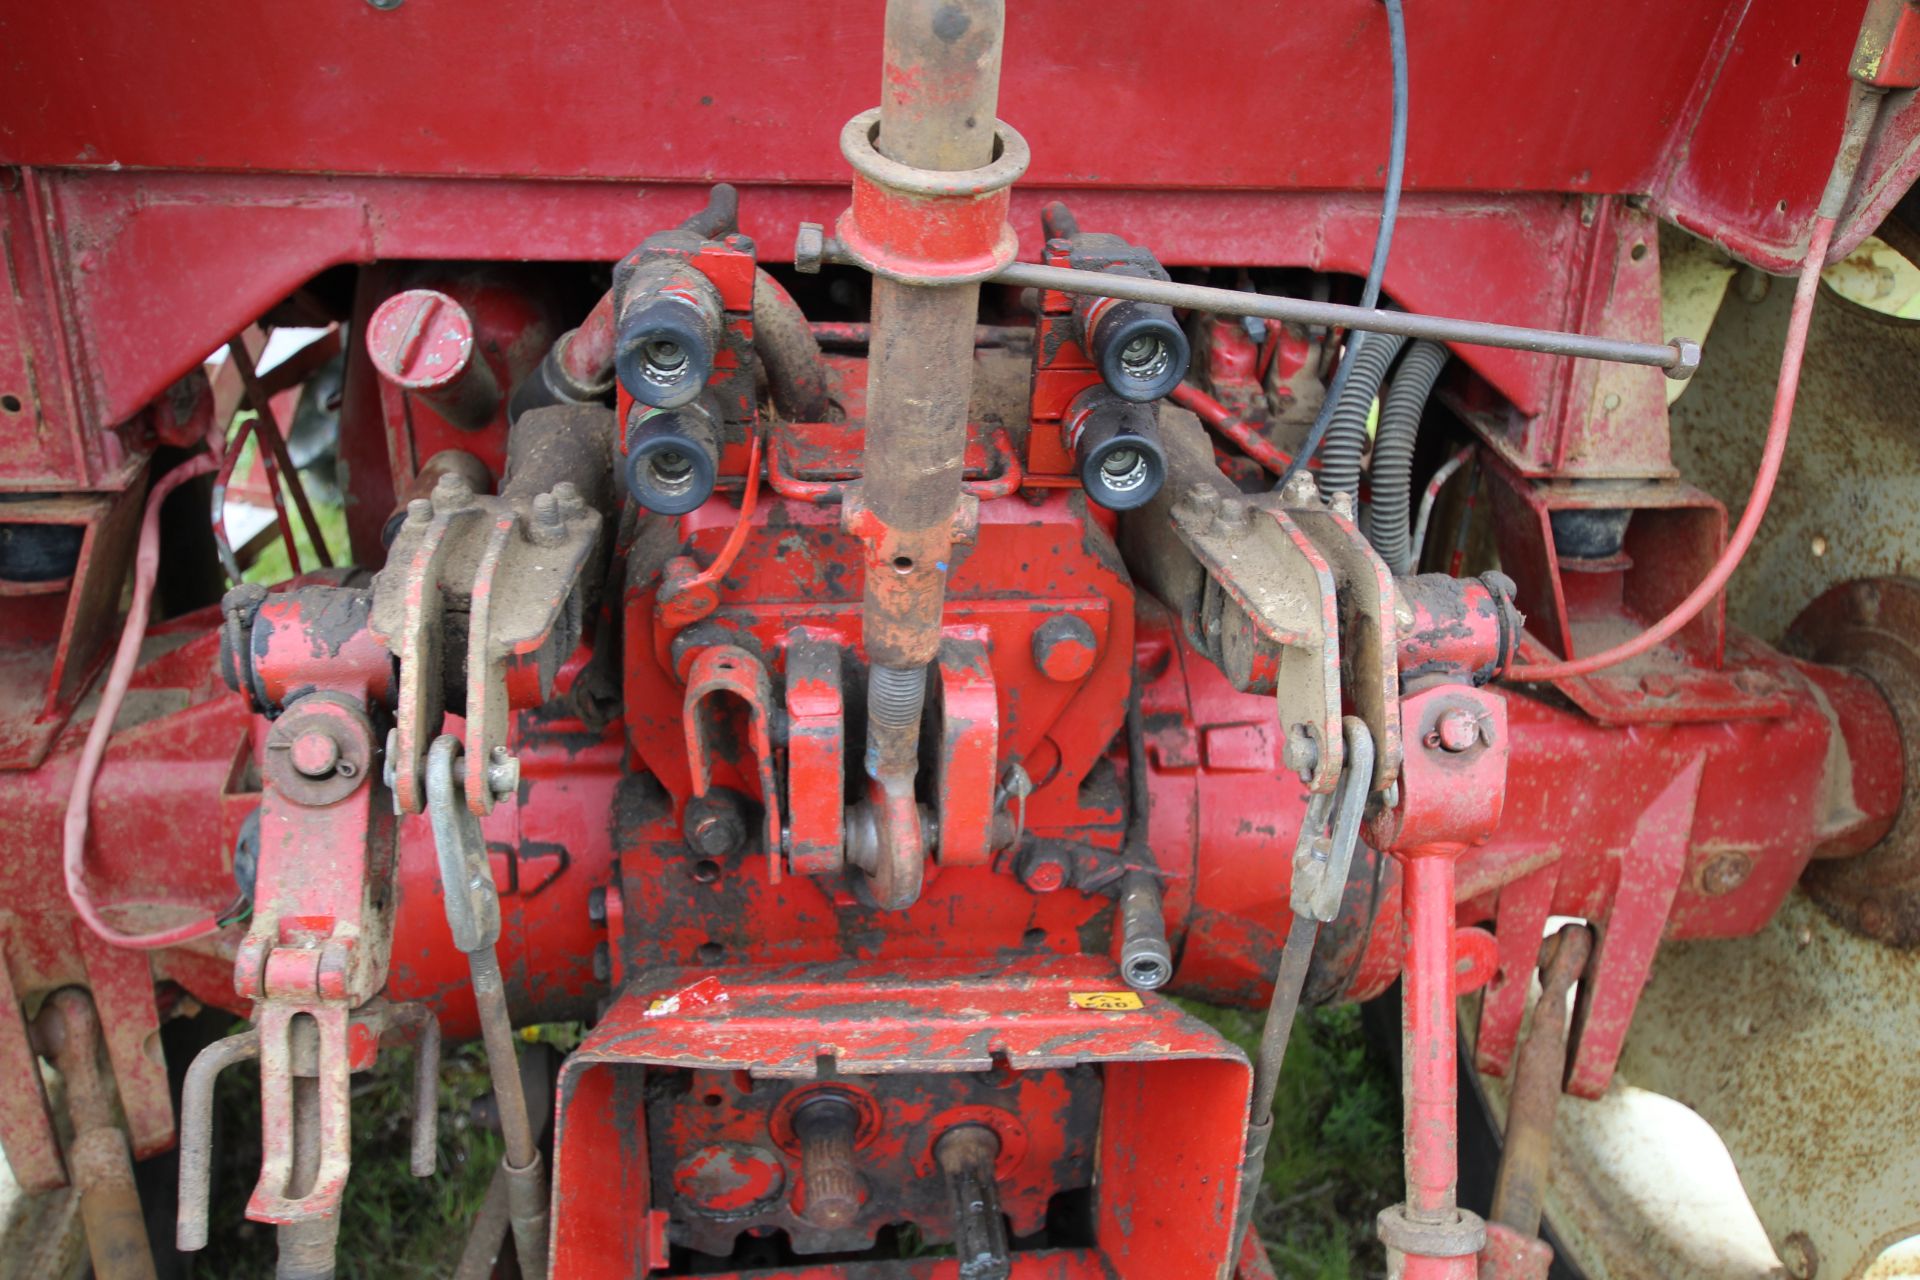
pixel 1334 1159
pixel 272 564
pixel 1333 1164
pixel 394 1225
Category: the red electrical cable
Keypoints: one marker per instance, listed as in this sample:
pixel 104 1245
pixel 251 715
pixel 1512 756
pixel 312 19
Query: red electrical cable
pixel 146 567
pixel 1863 107
pixel 1743 534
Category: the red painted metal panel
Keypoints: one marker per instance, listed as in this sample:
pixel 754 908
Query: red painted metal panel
pixel 665 93
pixel 175 263
pixel 1620 98
pixel 1174 1096
pixel 1169 1133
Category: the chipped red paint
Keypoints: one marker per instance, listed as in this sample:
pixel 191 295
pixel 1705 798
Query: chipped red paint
pixel 1216 813
pixel 1167 1101
pixel 1451 794
pixel 1677 803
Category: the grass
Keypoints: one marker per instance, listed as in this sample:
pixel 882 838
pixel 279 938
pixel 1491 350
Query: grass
pixel 272 565
pixel 1334 1159
pixel 393 1224
pixel 1333 1163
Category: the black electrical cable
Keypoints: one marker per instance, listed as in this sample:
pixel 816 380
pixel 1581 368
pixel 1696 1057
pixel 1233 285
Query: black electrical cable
pixel 1383 240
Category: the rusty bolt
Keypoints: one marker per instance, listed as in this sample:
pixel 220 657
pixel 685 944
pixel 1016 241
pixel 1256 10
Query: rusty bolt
pixel 716 832
pixel 503 774
pixel 1801 1258
pixel 451 492
pixel 1064 648
pixel 1455 731
pixel 1301 490
pixel 1201 499
pixel 569 498
pixel 1302 752
pixel 1043 869
pixel 809 248
pixel 419 513
pixel 314 754
pixel 1724 872
pixel 1342 504
pixel 1233 516
pixel 547 527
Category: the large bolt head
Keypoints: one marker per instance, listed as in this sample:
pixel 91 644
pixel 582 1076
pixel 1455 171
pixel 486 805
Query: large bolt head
pixel 314 754
pixel 1064 648
pixel 1456 730
pixel 1043 869
pixel 809 248
pixel 717 833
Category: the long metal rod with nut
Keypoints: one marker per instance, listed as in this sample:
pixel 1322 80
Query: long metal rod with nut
pixel 473 917
pixel 1679 357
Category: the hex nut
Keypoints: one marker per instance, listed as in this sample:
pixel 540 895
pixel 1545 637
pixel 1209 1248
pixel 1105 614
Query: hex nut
pixel 809 248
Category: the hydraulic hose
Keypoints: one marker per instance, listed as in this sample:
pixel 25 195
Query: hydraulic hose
pixel 1230 425
pixel 790 353
pixel 1862 110
pixel 1383 239
pixel 1349 405
pixel 1393 444
pixel 579 368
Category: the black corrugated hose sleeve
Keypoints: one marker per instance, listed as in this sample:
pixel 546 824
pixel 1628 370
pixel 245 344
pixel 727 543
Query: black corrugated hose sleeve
pixel 1368 357
pixel 1406 400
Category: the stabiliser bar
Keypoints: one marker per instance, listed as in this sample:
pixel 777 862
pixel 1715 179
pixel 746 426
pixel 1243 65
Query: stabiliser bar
pixel 1678 357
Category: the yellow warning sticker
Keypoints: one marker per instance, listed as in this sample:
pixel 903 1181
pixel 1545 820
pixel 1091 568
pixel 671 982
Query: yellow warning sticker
pixel 1106 1001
